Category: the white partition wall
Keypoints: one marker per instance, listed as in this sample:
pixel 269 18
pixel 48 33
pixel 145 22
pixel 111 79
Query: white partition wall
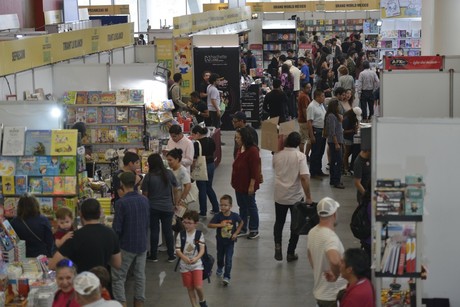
pixel 429 147
pixel 32 114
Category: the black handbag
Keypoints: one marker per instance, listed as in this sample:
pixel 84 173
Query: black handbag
pixel 304 217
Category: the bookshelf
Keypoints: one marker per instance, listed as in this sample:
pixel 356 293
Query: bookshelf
pixel 277 35
pixel 398 214
pixel 371 39
pixel 404 33
pixel 331 27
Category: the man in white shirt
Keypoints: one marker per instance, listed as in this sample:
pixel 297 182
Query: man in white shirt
pixel 296 76
pixel 315 124
pixel 213 99
pixel 325 251
pixel 292 182
pixel 368 82
pixel 178 140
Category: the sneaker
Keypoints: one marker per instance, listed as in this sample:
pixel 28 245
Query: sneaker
pixel 203 304
pixel 162 248
pixel 339 186
pixel 253 235
pixel 226 281
pixel 219 272
pixel 213 212
pixel 202 217
pixel 292 257
pixel 152 259
pixel 171 259
pixel 242 234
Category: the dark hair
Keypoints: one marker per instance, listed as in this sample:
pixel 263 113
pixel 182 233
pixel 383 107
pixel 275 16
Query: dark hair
pixel 168 73
pixel 28 206
pixel 191 215
pixel 175 129
pixel 246 137
pixel 353 120
pixel 205 72
pixel 352 98
pixel 366 65
pixel 90 209
pixel 318 92
pixel 285 69
pixel 302 58
pixel 102 274
pixel 177 77
pixel 157 167
pixel 213 78
pixel 175 153
pixel 81 127
pixel 276 83
pixel 339 91
pixel 283 57
pixel 332 107
pixel 195 94
pixel 227 197
pixel 130 157
pixel 64 212
pixel 358 260
pixel 200 130
pixel 293 140
pixel 290 50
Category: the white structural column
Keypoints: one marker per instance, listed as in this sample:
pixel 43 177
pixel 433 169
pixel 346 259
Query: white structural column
pixel 440 27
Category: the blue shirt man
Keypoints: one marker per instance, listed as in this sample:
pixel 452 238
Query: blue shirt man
pixel 305 72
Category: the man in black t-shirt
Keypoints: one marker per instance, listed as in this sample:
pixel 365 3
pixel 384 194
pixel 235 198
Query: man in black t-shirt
pixel 198 107
pixel 92 245
pixel 275 102
pixel 362 173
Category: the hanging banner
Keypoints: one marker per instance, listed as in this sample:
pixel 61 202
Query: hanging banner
pixel 401 8
pixel 165 53
pixel 116 36
pixel 68 45
pixel 107 9
pixel 414 63
pixel 307 6
pixel 225 62
pixel 183 63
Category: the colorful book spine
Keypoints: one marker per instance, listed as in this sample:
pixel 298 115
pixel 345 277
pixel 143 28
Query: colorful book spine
pixel 21 184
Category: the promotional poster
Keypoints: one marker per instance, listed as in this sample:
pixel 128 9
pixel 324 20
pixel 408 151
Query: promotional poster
pixel 223 61
pixel 183 63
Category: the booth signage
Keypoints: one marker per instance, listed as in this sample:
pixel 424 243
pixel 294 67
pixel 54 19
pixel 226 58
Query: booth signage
pixel 165 53
pixel 116 36
pixel 183 63
pixel 106 9
pixel 414 63
pixel 308 6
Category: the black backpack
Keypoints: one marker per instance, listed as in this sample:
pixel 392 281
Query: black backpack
pixel 206 259
pixel 360 224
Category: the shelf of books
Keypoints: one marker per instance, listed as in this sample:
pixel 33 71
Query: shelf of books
pixel 45 163
pixel 112 119
pixel 331 27
pixel 408 40
pixel 277 39
pixel 398 209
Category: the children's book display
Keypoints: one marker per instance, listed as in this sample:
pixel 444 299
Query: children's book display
pixel 398 208
pixel 41 162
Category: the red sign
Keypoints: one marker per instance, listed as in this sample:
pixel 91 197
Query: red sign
pixel 413 62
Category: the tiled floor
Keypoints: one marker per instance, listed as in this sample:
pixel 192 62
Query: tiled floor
pixel 258 280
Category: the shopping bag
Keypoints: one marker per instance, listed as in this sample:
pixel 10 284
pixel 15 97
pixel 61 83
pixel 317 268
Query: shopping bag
pixel 192 195
pixel 200 170
pixel 304 218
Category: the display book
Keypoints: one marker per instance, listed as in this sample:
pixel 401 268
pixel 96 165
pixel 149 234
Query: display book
pixel 398 208
pixel 41 162
pixel 407 39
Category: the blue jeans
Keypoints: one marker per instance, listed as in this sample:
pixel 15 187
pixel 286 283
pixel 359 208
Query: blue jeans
pixel 224 256
pixel 335 170
pixel 248 207
pixel 367 100
pixel 166 227
pixel 317 152
pixel 119 276
pixel 205 190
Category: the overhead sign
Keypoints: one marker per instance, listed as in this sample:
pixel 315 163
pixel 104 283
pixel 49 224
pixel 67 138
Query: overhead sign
pixel 308 6
pixel 107 9
pixel 414 63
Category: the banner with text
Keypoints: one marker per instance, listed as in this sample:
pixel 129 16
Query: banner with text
pixel 165 53
pixel 414 63
pixel 308 6
pixel 183 63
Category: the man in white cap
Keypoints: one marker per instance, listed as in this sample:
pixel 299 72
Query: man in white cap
pixel 88 290
pixel 325 252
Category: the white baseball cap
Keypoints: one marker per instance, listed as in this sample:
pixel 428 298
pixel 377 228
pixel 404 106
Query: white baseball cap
pixel 85 283
pixel 327 207
pixel 358 112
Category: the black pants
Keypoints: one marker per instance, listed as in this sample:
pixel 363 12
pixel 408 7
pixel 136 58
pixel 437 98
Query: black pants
pixel 367 100
pixel 280 219
pixel 214 119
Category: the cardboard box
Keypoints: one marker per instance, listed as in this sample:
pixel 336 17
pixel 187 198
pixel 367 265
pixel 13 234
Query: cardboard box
pixel 273 138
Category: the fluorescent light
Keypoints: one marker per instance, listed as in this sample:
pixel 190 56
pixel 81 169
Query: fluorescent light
pixel 56 112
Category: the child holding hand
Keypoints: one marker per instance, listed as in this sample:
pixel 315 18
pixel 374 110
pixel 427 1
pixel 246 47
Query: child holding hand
pixel 228 225
pixel 65 229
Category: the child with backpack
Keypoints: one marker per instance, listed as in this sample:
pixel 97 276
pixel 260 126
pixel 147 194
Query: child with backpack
pixel 228 225
pixel 191 266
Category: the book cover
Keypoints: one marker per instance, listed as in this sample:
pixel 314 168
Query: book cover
pixel 8 185
pixel 35 185
pixel 70 97
pixel 412 261
pixel 414 206
pixel 80 115
pixel 122 114
pixel 136 96
pixel 7 166
pixel 67 165
pixel 402 259
pixel 94 97
pixel 136 116
pixel 10 231
pixel 58 202
pixel 82 97
pixel 81 159
pixel 5 240
pixel 82 180
pixel 112 136
pixel 48 184
pixel 21 184
pixel 70 184
pixel 91 115
pixel 134 134
pixel 64 142
pixel 59 185
pixel 71 116
pixel 46 206
pixel 71 203
pixel 10 205
pixel 108 115
pixel 103 135
pixel 48 165
pixel 122 134
pixel 109 97
pixel 38 142
pixel 122 96
pixel 13 141
pixel 27 165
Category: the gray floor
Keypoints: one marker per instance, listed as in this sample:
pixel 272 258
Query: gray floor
pixel 257 278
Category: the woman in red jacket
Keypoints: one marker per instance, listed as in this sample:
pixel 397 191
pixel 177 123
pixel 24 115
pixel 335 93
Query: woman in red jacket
pixel 246 175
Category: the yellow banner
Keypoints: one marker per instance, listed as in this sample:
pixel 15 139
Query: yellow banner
pixel 287 6
pixel 308 6
pixel 183 63
pixel 182 25
pixel 106 9
pixel 200 21
pixel 69 45
pixel 16 56
pixel 116 36
pixel 165 53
